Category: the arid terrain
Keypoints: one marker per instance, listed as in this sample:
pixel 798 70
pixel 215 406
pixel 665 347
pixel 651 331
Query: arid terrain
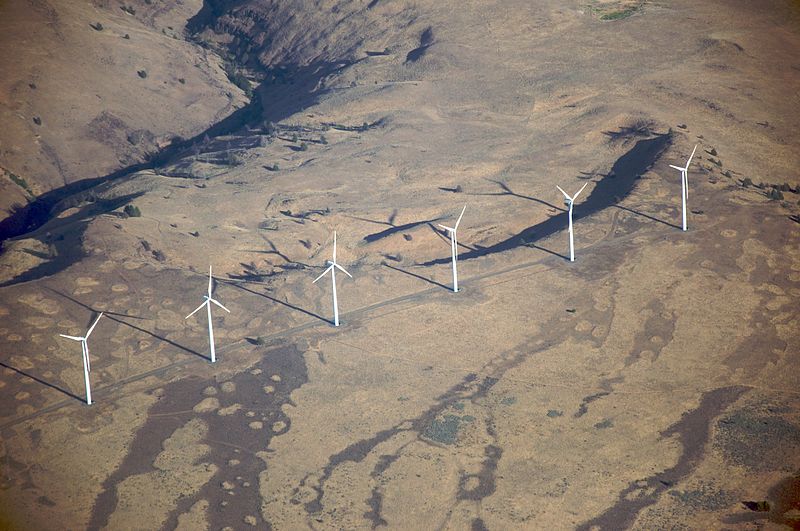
pixel 650 384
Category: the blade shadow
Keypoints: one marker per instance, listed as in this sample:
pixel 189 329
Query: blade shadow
pixel 420 277
pixel 43 382
pixel 282 303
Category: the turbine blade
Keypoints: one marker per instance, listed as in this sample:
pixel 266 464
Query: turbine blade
pixel 565 193
pixel 323 274
pixel 690 157
pixel 334 246
pixel 676 167
pixel 219 304
pixel 459 217
pixel 579 191
pixel 451 229
pixel 93 325
pixel 76 338
pixel 343 270
pixel 197 309
pixel 209 281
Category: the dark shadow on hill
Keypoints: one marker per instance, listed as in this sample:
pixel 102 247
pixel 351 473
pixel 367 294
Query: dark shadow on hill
pixel 610 190
pixel 288 89
pixel 67 246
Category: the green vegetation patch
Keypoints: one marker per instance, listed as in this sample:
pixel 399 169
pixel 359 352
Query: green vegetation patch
pixel 444 430
pixel 19 181
pixel 616 15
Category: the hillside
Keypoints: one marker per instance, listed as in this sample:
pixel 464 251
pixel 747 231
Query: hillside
pixel 648 384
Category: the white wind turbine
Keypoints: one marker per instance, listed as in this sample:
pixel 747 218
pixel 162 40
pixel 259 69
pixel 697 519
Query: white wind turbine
pixel 87 365
pixel 570 201
pixel 685 184
pixel 454 246
pixel 207 304
pixel 332 267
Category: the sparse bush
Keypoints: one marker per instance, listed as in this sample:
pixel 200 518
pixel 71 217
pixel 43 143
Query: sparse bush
pixel 132 211
pixel 294 137
pixel 19 181
pixel 747 182
pixel 232 158
pixel 37 120
pixel 775 194
pixel 142 73
pixel 303 146
pixel 323 140
pixel 96 26
pixel 126 36
pixel 270 128
pixel 182 81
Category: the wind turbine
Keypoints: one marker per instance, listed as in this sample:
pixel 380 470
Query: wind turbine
pixel 685 184
pixel 207 304
pixel 332 267
pixel 87 366
pixel 453 246
pixel 570 201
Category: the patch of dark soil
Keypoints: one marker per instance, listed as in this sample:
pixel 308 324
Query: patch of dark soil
pixel 230 437
pixel 781 507
pixel 693 431
pixel 757 440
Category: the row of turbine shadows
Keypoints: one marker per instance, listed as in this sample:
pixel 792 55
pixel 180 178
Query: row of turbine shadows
pixel 333 265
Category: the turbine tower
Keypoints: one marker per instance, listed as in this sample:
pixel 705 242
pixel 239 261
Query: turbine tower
pixel 332 267
pixel 87 365
pixel 570 201
pixel 207 304
pixel 685 185
pixel 454 246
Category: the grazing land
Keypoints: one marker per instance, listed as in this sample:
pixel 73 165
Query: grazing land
pixel 650 384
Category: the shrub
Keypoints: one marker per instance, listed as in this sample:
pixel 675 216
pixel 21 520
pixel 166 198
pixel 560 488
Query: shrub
pixel 96 26
pixel 142 73
pixel 303 146
pixel 775 194
pixel 747 182
pixel 182 81
pixel 132 211
pixel 231 158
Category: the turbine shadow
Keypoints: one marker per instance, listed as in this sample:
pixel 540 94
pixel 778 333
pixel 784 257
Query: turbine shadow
pixel 43 382
pixel 420 277
pixel 506 190
pixel 648 216
pixel 283 303
pixel 540 248
pixel 116 318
